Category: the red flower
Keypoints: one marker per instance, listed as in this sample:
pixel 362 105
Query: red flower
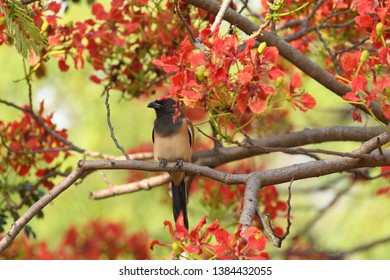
pixel 247 244
pixel 99 12
pixel 373 19
pixel 368 92
pixel 383 191
pixel 301 100
pixel 28 134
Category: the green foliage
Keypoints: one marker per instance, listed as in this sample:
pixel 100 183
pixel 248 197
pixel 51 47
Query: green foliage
pixel 24 194
pixel 25 35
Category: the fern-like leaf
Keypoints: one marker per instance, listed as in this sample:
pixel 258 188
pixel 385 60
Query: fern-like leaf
pixel 21 29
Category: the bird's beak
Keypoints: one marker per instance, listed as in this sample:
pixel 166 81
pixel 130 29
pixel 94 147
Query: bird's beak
pixel 154 105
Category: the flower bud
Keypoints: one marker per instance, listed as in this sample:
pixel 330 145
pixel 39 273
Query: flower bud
pixel 379 29
pixel 279 82
pixel 261 47
pixel 176 248
pixel 45 26
pixel 364 56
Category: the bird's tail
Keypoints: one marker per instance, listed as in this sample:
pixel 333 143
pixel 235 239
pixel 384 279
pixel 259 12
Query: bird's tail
pixel 179 201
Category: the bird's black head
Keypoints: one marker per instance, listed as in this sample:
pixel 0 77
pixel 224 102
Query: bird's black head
pixel 166 106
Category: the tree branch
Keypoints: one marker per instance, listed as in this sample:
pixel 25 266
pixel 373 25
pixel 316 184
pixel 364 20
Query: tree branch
pixel 145 184
pixel 317 168
pixel 221 155
pixel 70 145
pixel 269 230
pixel 183 20
pixel 367 246
pixel 110 125
pixel 254 180
pixel 218 18
pixel 258 179
pixel 26 2
pixel 336 254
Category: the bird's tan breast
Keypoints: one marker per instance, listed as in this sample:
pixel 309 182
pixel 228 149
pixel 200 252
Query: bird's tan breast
pixel 173 147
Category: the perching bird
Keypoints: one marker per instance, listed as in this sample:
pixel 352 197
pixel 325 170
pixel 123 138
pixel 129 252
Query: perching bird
pixel 173 138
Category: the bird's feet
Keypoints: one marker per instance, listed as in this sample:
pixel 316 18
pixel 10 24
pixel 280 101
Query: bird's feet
pixel 163 163
pixel 179 164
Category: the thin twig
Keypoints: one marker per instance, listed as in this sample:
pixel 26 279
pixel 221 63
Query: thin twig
pixel 184 21
pixel 287 230
pixel 305 151
pixel 215 139
pixel 244 6
pixel 145 184
pixel 267 229
pixel 219 17
pixel 29 86
pixel 330 52
pixel 277 240
pixel 105 179
pixel 26 2
pixel 354 46
pixel 196 41
pixel 110 125
pixel 314 10
pixel 69 144
pixel 367 246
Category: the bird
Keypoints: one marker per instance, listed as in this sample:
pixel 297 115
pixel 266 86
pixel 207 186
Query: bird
pixel 173 140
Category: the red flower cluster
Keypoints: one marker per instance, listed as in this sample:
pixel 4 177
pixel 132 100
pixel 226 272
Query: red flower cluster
pixel 365 91
pixel 217 194
pixel 385 171
pixel 368 71
pixel 215 242
pixel 120 43
pixel 374 19
pixel 2 27
pixel 231 81
pixel 225 74
pixel 29 145
pixel 93 241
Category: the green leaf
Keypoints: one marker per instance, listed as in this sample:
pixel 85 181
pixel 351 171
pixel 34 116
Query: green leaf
pixel 20 26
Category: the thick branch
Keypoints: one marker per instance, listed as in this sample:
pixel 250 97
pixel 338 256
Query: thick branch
pixel 84 167
pixel 287 51
pixel 250 199
pixel 317 168
pixel 268 177
pixel 220 156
